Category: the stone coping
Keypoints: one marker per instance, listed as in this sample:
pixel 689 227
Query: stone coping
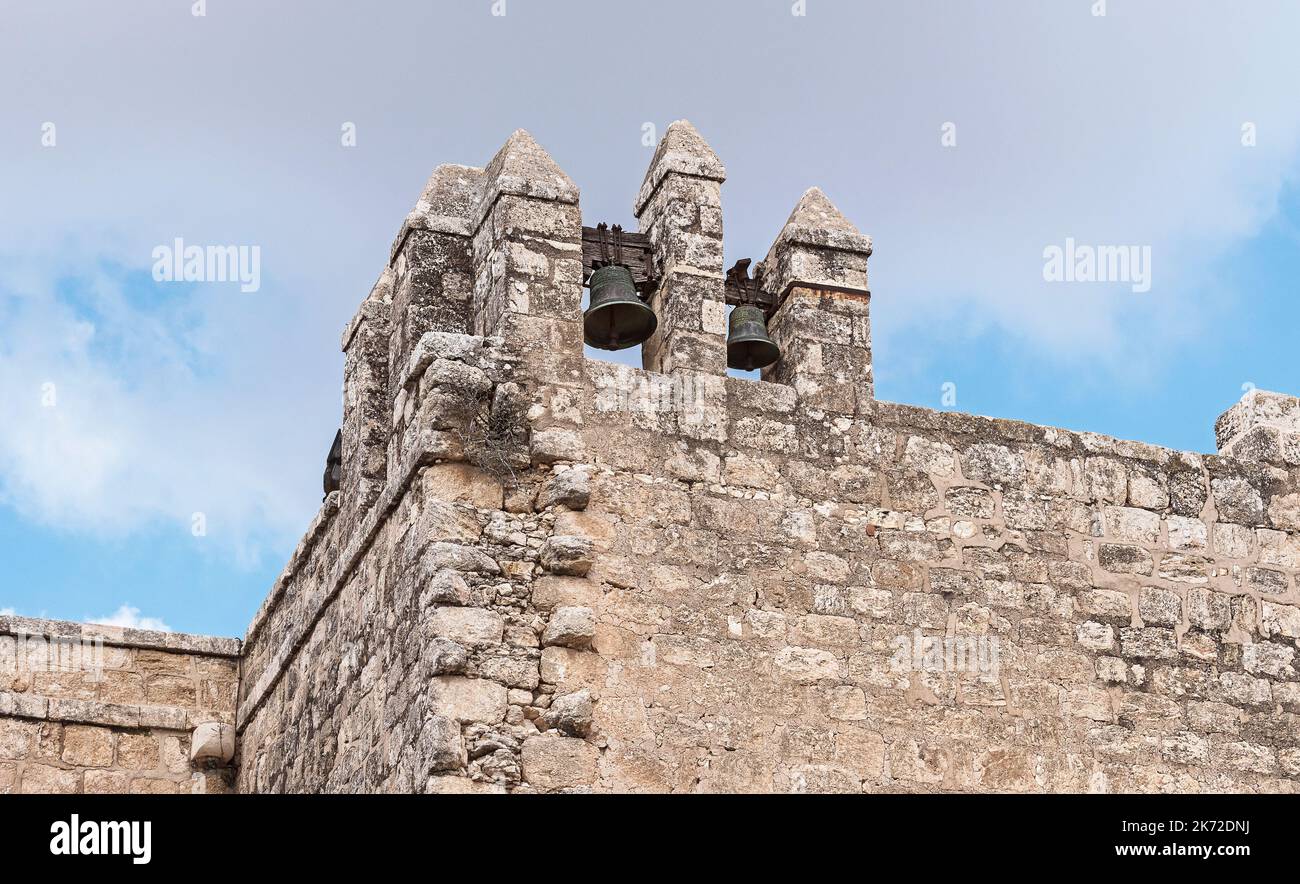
pixel 123 637
pixel 769 396
pixel 302 553
pixel 252 696
pixel 121 715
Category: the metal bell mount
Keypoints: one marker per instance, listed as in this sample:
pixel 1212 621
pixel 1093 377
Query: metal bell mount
pixel 748 344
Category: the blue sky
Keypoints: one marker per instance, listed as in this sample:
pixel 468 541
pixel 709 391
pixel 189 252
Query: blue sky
pixel 173 399
pixel 1249 313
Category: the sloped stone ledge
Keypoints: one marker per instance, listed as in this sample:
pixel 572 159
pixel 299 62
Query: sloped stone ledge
pixel 69 711
pixel 117 636
pixel 301 555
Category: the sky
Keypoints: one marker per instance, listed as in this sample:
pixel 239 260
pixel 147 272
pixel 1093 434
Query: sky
pixel 162 442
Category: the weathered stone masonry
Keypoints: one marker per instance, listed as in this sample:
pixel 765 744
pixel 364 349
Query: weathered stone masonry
pixel 582 576
pixel 105 709
pixel 545 573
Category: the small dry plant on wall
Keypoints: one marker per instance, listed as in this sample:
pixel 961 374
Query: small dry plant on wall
pixel 495 437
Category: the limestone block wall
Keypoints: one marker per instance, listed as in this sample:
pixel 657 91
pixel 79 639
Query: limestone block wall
pixel 750 595
pixel 570 575
pixel 87 709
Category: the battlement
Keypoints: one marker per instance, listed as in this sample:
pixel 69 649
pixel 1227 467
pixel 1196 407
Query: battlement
pixel 497 253
pixel 1263 426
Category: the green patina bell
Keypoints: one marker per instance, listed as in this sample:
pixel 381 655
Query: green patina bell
pixel 616 318
pixel 748 346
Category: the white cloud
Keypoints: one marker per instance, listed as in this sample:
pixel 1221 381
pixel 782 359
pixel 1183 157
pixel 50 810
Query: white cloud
pixel 127 413
pixel 7 612
pixel 129 618
pixel 1115 130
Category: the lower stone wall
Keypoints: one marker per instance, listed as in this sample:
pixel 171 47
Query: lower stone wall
pixel 692 583
pixel 98 709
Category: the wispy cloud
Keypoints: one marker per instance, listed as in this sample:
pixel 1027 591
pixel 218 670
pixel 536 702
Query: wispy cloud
pixel 129 617
pixel 132 405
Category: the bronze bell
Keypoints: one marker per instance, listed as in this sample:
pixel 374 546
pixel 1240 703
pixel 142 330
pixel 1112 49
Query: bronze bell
pixel 748 346
pixel 616 318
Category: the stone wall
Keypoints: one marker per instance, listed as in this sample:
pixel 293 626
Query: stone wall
pixel 547 573
pixel 91 709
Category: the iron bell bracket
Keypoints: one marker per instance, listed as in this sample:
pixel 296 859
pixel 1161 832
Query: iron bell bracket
pixel 742 289
pixel 603 245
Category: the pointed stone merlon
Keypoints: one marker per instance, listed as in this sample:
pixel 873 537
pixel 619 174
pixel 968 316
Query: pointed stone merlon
pixel 527 260
pixel 425 287
pixel 1263 426
pixel 213 742
pixel 680 208
pixel 431 264
pixel 818 269
pixel 367 406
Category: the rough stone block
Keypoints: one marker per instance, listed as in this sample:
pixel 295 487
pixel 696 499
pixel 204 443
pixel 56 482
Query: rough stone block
pixel 105 782
pixel 567 555
pixel 1096 636
pixel 444 587
pixel 1270 659
pixel 570 627
pixel 137 751
pixel 469 627
pixel 571 714
pixel 557 591
pixel 807 665
pixel 439 746
pixel 463 483
pixel 570 488
pixel 556 444
pixel 43 779
pixel 514 672
pixel 23 705
pixel 1159 607
pixel 571 670
pixel 16 738
pixel 452 785
pixel 469 699
pixel 553 762
pixel 87 746
pixel 1280 620
pixel 1133 525
pixel 445 657
pixel 1143 643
